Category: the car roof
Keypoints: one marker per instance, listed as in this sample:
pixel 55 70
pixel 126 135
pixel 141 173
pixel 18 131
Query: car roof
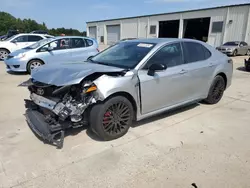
pixel 35 34
pixel 161 40
pixel 64 37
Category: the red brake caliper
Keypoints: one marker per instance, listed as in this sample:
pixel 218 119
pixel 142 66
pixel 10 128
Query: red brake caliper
pixel 106 117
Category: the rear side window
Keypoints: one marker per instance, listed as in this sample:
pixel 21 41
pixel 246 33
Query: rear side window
pixel 194 52
pixel 34 38
pixel 89 42
pixel 77 43
pixel 244 44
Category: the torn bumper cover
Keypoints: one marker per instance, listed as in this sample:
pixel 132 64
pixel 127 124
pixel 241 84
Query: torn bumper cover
pixel 44 126
pixel 37 123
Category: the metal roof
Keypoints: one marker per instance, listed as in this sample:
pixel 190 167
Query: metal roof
pixel 226 6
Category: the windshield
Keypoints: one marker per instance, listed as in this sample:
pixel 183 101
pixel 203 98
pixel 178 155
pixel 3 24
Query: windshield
pixel 231 44
pixel 124 54
pixel 39 43
pixel 10 38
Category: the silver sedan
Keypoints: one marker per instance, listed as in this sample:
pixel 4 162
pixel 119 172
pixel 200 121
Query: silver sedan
pixel 235 48
pixel 127 82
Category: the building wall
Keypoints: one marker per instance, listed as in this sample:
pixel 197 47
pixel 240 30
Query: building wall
pixel 239 29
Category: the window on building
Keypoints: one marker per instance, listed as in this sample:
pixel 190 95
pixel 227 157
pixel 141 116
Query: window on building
pixel 152 29
pixel 217 27
pixel 194 52
pixel 102 38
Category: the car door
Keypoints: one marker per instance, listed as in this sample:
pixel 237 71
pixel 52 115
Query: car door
pixel 19 42
pixel 200 68
pixel 168 87
pixel 79 50
pixel 55 52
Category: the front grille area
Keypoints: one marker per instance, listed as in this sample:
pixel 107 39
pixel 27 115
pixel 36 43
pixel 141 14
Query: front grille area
pixel 42 91
pixel 16 66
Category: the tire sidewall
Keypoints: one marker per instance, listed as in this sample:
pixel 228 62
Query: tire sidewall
pixel 4 50
pixel 248 52
pixel 235 53
pixel 96 117
pixel 209 99
pixel 29 63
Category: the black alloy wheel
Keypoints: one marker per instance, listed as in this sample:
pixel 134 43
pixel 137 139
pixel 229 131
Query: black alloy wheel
pixel 111 119
pixel 216 90
pixel 116 118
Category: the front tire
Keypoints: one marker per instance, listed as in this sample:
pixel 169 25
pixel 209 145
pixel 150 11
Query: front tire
pixel 33 64
pixel 216 90
pixel 235 53
pixel 3 54
pixel 112 119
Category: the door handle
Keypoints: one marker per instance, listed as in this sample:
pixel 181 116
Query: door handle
pixel 183 71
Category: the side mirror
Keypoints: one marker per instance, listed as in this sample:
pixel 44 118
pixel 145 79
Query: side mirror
pixel 50 48
pixel 13 41
pixel 156 67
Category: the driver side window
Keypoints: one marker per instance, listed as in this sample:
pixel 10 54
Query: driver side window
pixel 60 44
pixel 21 39
pixel 170 55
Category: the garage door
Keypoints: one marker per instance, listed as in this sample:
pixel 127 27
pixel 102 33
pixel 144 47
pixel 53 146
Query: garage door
pixel 92 32
pixel 113 34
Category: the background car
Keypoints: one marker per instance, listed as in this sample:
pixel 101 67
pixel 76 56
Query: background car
pixel 235 48
pixel 129 81
pixel 40 32
pixel 9 34
pixel 19 41
pixel 51 51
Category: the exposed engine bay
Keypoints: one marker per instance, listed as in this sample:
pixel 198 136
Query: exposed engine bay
pixel 53 109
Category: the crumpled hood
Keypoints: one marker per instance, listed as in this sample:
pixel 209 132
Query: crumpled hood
pixel 69 73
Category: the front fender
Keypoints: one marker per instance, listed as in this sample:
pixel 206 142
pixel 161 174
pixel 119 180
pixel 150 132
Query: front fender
pixel 109 85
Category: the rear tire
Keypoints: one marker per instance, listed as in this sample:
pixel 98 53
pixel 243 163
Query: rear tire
pixel 248 52
pixel 112 119
pixel 216 90
pixel 34 64
pixel 4 54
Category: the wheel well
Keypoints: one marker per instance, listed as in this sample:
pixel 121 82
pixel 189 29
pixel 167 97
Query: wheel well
pixel 223 75
pixel 5 49
pixel 129 97
pixel 32 60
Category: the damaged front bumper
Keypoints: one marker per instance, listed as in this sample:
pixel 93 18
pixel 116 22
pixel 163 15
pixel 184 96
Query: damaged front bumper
pixel 44 125
pixel 38 125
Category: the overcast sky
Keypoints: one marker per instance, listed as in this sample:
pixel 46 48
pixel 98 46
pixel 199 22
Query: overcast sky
pixel 75 13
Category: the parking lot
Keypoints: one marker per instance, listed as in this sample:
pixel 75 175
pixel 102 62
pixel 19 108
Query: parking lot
pixel 207 146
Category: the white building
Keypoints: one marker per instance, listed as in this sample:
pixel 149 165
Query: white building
pixel 214 25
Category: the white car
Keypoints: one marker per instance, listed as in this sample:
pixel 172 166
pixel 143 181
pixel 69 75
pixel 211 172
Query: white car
pixel 19 41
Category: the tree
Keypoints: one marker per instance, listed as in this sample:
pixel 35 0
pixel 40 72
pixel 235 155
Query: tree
pixel 7 22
